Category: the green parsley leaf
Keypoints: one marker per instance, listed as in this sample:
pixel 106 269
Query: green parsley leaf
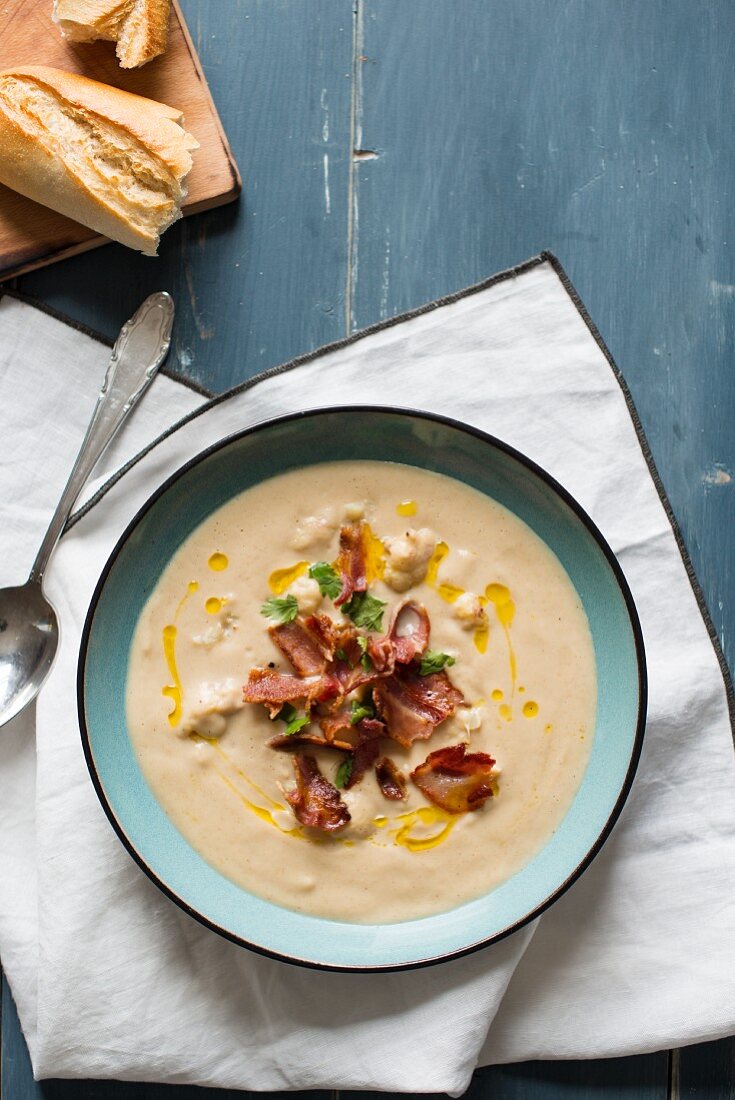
pixel 297 724
pixel 358 710
pixel 434 660
pixel 365 610
pixel 365 660
pixel 341 655
pixel 281 609
pixel 327 578
pixel 294 721
pixel 344 771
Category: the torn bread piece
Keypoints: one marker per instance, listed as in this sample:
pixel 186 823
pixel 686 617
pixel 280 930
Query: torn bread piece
pixel 113 161
pixel 139 27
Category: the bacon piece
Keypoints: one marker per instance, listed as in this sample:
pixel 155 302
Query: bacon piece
pixel 367 750
pixel 299 646
pixel 327 632
pixel 267 685
pixel 407 638
pixel 409 631
pixel 315 802
pixel 382 654
pixel 351 561
pixel 456 780
pixel 304 737
pixel 391 781
pixel 332 724
pixel 412 705
pixel 363 758
pixel 371 727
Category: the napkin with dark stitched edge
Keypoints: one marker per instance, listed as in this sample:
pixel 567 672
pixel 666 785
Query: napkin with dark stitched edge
pixel 112 980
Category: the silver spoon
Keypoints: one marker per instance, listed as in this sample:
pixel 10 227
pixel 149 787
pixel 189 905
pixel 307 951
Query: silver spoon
pixel 29 628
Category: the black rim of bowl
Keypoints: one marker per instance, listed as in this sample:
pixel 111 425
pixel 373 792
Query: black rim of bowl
pixel 580 513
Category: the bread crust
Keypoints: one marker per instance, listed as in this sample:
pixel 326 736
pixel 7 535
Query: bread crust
pixel 124 180
pixel 139 27
pixel 144 34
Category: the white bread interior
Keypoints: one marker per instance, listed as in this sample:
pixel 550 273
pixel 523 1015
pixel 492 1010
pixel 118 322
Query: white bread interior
pixel 114 161
pixel 139 27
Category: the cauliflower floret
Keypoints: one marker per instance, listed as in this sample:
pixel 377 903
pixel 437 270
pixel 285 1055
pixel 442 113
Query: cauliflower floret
pixel 354 511
pixel 308 594
pixel 223 627
pixel 407 558
pixel 208 712
pixel 468 611
pixel 471 718
pixel 315 530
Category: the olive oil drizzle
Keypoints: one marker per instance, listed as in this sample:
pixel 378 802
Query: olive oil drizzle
pixel 175 691
pixel 281 579
pixel 424 815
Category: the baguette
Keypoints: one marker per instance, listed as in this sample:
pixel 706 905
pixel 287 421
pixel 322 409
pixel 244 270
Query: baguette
pixel 112 160
pixel 139 27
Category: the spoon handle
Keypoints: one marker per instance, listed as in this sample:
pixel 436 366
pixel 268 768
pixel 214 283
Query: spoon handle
pixel 139 351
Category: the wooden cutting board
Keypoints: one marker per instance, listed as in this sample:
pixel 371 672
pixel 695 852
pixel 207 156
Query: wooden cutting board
pixel 31 235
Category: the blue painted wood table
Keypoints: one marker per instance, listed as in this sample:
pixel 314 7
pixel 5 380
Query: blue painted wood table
pixel 394 152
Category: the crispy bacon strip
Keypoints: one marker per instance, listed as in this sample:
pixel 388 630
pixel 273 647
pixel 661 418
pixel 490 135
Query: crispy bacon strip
pixel 315 802
pixel 367 750
pixel 326 632
pixel 409 631
pixel 332 724
pixel 363 758
pixel 391 781
pixel 407 638
pixel 299 646
pixel 456 780
pixel 412 705
pixel 267 685
pixel 287 741
pixel 351 561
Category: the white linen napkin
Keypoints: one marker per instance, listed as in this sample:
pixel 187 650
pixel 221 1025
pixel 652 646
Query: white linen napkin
pixel 112 980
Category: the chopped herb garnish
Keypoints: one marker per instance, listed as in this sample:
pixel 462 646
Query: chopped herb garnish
pixel 365 660
pixel 434 660
pixel 341 655
pixel 327 578
pixel 344 771
pixel 365 610
pixel 281 609
pixel 360 710
pixel 294 721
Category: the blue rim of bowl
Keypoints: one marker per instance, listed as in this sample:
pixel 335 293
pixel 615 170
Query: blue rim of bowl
pixel 635 625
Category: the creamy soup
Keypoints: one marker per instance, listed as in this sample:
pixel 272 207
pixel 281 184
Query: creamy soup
pixel 509 648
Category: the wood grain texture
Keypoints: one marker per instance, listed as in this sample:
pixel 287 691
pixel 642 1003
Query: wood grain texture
pixel 462 136
pixel 706 1072
pixel 32 235
pixel 592 130
pixel 644 1078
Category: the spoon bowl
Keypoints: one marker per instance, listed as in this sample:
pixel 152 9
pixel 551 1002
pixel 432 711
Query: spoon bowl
pixel 29 636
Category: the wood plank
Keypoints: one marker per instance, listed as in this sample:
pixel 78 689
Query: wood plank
pixel 32 235
pixel 502 129
pixel 706 1072
pixel 642 1078
pixel 260 281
